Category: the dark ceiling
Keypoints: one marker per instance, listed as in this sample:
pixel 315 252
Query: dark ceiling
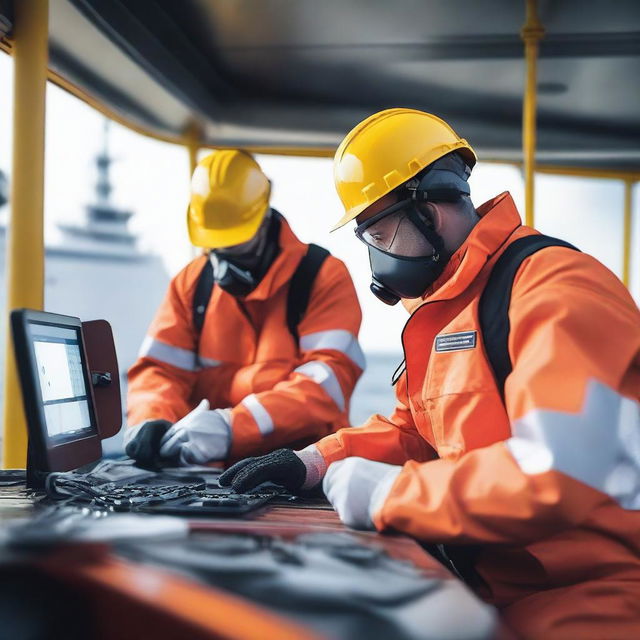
pixel 298 74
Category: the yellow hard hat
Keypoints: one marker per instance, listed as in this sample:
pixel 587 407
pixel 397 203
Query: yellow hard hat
pixel 387 149
pixel 229 199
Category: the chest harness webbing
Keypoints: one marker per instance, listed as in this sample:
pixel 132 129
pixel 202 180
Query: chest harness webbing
pixel 496 297
pixel 297 300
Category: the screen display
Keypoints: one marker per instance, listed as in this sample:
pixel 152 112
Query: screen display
pixel 62 380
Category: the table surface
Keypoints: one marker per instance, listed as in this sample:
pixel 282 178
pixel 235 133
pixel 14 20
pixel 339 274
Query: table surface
pixel 283 519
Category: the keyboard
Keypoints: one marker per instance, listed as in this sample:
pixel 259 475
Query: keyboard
pixel 129 496
pixel 180 493
pixel 218 502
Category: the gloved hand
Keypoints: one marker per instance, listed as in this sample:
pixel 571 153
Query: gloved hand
pixel 142 442
pixel 293 470
pixel 357 488
pixel 201 436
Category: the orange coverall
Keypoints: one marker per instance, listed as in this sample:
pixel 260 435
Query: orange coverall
pixel 282 393
pixel 548 486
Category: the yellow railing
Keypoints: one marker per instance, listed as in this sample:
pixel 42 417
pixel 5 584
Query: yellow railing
pixel 532 32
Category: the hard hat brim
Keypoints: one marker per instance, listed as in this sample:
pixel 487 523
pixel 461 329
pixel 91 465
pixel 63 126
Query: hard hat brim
pixel 350 215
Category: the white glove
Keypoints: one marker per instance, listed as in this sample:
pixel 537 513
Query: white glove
pixel 357 488
pixel 201 436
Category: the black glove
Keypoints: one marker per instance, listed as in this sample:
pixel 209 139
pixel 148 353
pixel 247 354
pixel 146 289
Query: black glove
pixel 281 467
pixel 145 446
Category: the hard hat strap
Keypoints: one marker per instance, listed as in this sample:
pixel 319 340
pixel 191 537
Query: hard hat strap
pixel 430 234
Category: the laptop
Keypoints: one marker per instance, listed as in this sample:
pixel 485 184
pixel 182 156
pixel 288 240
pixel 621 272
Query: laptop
pixel 65 453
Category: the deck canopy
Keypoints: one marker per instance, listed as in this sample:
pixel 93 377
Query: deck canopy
pixel 294 76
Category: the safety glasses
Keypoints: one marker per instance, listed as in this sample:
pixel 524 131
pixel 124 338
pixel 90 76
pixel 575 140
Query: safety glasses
pixel 381 235
pixel 373 234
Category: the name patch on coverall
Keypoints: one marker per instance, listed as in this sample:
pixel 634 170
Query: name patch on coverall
pixel 456 341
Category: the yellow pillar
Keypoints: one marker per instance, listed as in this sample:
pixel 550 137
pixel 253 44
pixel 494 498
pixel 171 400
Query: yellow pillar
pixel 193 136
pixel 531 34
pixel 25 235
pixel 193 146
pixel 626 239
pixel 193 156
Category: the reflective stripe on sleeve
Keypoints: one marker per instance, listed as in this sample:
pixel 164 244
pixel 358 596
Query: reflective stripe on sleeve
pixel 599 446
pixel 322 374
pixel 337 339
pixel 175 356
pixel 259 414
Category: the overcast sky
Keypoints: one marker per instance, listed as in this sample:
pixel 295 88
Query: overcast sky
pixel 151 178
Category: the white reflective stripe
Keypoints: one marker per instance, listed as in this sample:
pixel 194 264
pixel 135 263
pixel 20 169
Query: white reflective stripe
pixel 208 362
pixel 175 356
pixel 337 339
pixel 181 358
pixel 599 446
pixel 321 373
pixel 259 413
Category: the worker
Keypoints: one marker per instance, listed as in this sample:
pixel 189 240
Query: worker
pixel 515 443
pixel 255 344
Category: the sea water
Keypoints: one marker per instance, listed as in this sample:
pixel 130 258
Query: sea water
pixel 374 392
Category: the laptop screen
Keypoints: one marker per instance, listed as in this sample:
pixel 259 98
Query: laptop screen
pixel 63 385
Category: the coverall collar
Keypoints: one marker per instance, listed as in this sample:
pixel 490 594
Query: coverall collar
pixel 283 267
pixel 499 218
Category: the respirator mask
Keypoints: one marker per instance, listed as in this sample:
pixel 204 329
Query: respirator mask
pixel 397 276
pixel 240 273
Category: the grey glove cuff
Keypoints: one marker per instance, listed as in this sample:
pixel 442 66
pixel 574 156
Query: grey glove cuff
pixel 315 465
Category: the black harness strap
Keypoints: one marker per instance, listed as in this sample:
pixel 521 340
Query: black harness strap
pixel 297 300
pixel 301 285
pixel 202 295
pixel 496 297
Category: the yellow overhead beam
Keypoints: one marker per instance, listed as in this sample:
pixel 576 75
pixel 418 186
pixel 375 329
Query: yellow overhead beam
pixel 581 172
pixel 532 32
pixel 300 152
pixel 25 233
pixel 577 172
